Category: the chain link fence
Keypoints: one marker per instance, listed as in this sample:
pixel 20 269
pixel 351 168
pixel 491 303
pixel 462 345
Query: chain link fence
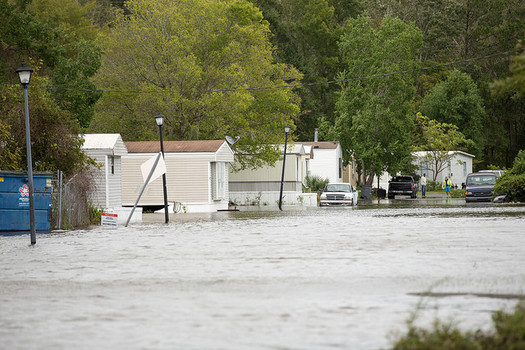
pixel 70 203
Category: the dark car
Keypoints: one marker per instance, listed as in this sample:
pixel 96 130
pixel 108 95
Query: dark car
pixel 402 184
pixel 480 187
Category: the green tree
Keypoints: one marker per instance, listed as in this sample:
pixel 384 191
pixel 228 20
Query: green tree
pixel 10 152
pixel 80 56
pixel 60 34
pixel 439 141
pixel 466 29
pixel 457 101
pixel 375 119
pixel 55 139
pixel 515 83
pixel 305 33
pixel 198 61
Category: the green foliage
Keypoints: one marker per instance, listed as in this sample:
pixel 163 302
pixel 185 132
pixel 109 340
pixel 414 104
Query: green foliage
pixel 508 333
pixel 433 185
pixel 10 152
pixel 55 139
pixel 59 35
pixel 457 193
pixel 76 72
pixel 374 116
pixel 95 215
pixel 305 33
pixel 457 101
pixel 515 83
pixel 315 183
pixel 438 141
pixel 512 183
pixel 186 49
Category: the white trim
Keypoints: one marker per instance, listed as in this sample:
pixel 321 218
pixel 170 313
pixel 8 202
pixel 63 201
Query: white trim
pixel 106 168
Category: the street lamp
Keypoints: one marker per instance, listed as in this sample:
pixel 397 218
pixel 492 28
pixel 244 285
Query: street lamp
pixel 159 119
pixel 286 130
pixel 24 74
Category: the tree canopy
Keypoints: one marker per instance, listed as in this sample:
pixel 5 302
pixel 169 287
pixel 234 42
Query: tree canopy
pixel 305 34
pixel 375 120
pixel 439 141
pixel 457 101
pixel 59 46
pixel 195 62
pixel 55 136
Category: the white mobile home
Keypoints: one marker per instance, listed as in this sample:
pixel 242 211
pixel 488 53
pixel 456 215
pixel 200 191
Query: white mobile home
pixel 261 186
pixel 456 169
pixel 326 160
pixel 107 150
pixel 196 175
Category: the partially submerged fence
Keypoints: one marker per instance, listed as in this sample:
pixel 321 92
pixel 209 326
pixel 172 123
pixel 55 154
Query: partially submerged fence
pixel 70 200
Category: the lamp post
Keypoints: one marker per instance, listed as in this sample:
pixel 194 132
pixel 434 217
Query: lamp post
pixel 24 74
pixel 159 119
pixel 286 130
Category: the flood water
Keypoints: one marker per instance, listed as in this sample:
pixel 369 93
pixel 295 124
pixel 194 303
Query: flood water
pixel 303 278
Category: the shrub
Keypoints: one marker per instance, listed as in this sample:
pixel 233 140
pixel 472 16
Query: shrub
pixel 457 193
pixel 508 333
pixel 315 182
pixel 512 183
pixel 433 185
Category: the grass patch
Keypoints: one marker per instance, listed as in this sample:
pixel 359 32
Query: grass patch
pixel 508 333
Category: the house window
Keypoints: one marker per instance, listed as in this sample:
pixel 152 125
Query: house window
pixel 307 166
pixel 340 167
pixel 464 168
pixel 218 180
pixel 112 161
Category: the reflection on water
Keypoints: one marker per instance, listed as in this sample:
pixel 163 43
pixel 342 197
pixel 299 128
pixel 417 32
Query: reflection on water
pixel 303 278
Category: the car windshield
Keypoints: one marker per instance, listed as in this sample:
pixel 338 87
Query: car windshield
pixel 338 188
pixel 479 180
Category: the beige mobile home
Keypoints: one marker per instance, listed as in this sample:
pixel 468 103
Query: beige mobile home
pixel 196 175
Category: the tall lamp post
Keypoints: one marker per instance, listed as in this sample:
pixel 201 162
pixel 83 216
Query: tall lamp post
pixel 24 74
pixel 286 130
pixel 159 119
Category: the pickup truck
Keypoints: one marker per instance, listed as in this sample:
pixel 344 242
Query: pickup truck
pixel 402 184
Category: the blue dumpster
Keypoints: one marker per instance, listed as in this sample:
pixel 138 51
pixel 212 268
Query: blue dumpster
pixel 14 201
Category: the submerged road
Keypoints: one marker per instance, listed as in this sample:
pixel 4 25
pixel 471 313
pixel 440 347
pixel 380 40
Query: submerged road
pixel 303 278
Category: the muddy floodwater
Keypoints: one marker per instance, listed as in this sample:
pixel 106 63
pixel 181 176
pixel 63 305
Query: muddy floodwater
pixel 259 278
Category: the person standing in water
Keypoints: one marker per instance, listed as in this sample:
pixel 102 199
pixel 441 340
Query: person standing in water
pixel 448 184
pixel 424 186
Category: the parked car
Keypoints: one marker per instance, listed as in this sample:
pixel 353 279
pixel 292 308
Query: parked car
pixel 338 194
pixel 480 187
pixel 402 184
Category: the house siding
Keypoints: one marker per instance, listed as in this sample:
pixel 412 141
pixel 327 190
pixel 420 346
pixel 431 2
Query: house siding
pixel 188 178
pixel 326 160
pixel 98 196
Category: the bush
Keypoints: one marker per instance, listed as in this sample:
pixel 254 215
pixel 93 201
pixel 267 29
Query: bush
pixel 94 215
pixel 433 185
pixel 512 183
pixel 508 333
pixel 513 186
pixel 457 193
pixel 315 183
